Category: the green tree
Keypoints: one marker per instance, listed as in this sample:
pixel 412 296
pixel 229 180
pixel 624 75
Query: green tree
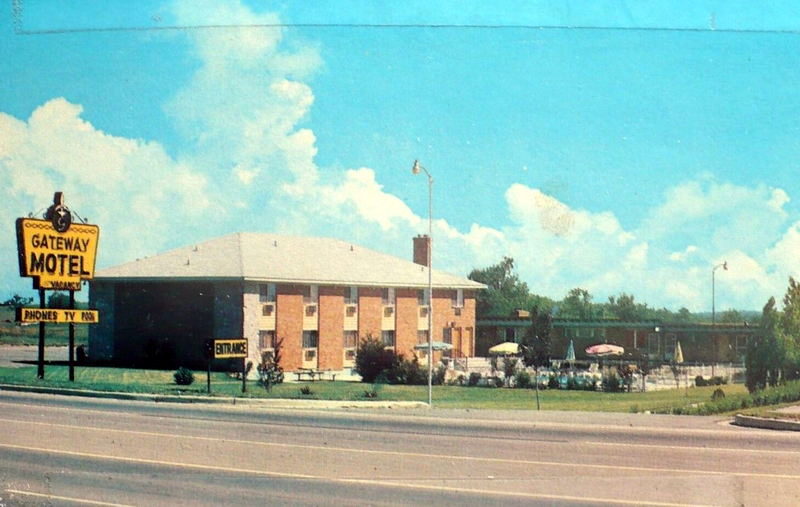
pixel 536 344
pixel 505 291
pixel 58 300
pixel 624 307
pixel 577 304
pixel 731 316
pixel 17 301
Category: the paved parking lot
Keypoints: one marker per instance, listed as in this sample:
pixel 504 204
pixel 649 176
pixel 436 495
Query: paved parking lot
pixel 11 355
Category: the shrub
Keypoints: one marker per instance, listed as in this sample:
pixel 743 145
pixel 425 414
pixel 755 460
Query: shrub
pixel 474 378
pixel 183 376
pixel 717 381
pixel 590 385
pixel 269 369
pixel 80 354
pixel 509 367
pixel 438 375
pixel 372 393
pixel 611 383
pixel 572 383
pixel 372 358
pixel 306 391
pixel 718 394
pixel 699 381
pixel 498 382
pixel 522 379
pixel 553 382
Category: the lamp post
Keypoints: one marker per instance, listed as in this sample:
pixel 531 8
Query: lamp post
pixel 724 266
pixel 415 170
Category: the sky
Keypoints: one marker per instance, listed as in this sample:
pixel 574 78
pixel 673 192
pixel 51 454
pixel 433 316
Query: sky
pixel 627 147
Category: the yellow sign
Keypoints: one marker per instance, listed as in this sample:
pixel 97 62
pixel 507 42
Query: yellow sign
pixel 58 316
pixel 226 349
pixel 56 260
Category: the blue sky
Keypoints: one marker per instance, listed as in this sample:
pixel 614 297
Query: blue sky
pixel 626 147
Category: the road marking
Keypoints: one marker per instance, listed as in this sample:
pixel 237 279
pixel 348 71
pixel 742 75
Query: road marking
pixel 65 498
pixel 637 469
pixel 393 484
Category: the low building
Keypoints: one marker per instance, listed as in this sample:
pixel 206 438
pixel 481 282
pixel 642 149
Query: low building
pixel 700 343
pixel 316 296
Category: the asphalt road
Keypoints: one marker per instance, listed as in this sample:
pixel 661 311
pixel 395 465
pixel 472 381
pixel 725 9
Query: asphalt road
pixel 67 451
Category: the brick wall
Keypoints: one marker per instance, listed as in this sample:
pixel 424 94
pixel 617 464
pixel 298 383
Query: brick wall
pixel 406 309
pixel 331 327
pixel 289 325
pixel 370 312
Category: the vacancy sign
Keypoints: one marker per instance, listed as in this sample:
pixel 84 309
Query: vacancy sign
pixel 56 260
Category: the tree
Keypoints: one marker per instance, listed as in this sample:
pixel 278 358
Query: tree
pixel 270 371
pixel 58 300
pixel 536 345
pixel 17 301
pixel 624 307
pixel 577 304
pixel 373 358
pixel 731 316
pixel 505 291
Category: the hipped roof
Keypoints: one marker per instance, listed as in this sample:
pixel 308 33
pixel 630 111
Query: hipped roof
pixel 284 259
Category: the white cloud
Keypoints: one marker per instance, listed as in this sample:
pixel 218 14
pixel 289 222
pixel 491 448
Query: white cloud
pixel 684 255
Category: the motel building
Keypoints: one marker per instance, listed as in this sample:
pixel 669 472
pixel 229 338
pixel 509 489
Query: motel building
pixel 319 296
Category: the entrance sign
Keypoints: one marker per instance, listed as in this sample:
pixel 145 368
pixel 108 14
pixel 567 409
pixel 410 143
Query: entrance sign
pixel 227 349
pixel 57 316
pixel 57 260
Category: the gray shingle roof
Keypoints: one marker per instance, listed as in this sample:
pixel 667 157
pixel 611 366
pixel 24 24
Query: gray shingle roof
pixel 284 259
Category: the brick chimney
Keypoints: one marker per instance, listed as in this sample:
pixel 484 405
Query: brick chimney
pixel 421 245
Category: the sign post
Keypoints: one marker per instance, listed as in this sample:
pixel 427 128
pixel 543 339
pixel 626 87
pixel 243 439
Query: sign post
pixel 57 255
pixel 231 349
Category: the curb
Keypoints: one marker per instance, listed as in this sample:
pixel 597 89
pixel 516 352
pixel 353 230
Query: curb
pixel 767 424
pixel 268 403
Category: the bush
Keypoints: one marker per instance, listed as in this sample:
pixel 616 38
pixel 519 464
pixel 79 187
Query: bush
pixel 611 383
pixel 269 369
pixel 553 382
pixel 718 394
pixel 572 383
pixel 438 375
pixel 590 384
pixel 717 381
pixel 372 358
pixel 80 354
pixel 474 378
pixel 406 372
pixel 522 379
pixel 306 391
pixel 699 381
pixel 183 376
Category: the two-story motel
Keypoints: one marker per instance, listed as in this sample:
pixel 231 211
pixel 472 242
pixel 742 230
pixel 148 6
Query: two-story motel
pixel 317 296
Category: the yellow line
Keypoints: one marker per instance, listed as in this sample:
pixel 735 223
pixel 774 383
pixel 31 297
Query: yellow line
pixel 366 482
pixel 637 469
pixel 65 498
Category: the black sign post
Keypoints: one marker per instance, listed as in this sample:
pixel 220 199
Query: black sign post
pixel 40 372
pixel 244 374
pixel 71 339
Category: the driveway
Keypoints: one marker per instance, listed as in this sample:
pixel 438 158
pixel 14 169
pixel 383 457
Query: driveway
pixel 11 355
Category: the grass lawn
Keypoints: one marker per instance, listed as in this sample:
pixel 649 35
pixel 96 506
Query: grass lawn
pixel 161 382
pixel 55 334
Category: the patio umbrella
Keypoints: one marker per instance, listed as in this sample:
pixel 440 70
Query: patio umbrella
pixel 678 357
pixel 505 349
pixel 434 346
pixel 604 349
pixel 570 352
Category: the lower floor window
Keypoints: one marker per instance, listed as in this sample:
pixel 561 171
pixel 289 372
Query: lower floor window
pixel 310 339
pixel 422 336
pixel 350 340
pixel 387 338
pixel 266 340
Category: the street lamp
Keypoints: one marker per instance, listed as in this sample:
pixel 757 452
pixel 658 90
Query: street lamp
pixel 724 266
pixel 415 170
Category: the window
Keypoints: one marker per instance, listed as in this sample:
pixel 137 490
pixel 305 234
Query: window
pixel 266 293
pixel 422 297
pixel 310 294
pixel 351 295
pixel 652 344
pixel 422 336
pixel 350 339
pixel 310 339
pixel 387 296
pixel 266 340
pixel 447 335
pixel 458 298
pixel 387 338
pixel 267 309
pixel 669 345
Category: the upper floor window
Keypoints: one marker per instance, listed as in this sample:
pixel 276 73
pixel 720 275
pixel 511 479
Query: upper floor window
pixel 310 339
pixel 266 340
pixel 387 296
pixel 387 337
pixel 458 298
pixel 310 294
pixel 422 297
pixel 266 293
pixel 351 295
